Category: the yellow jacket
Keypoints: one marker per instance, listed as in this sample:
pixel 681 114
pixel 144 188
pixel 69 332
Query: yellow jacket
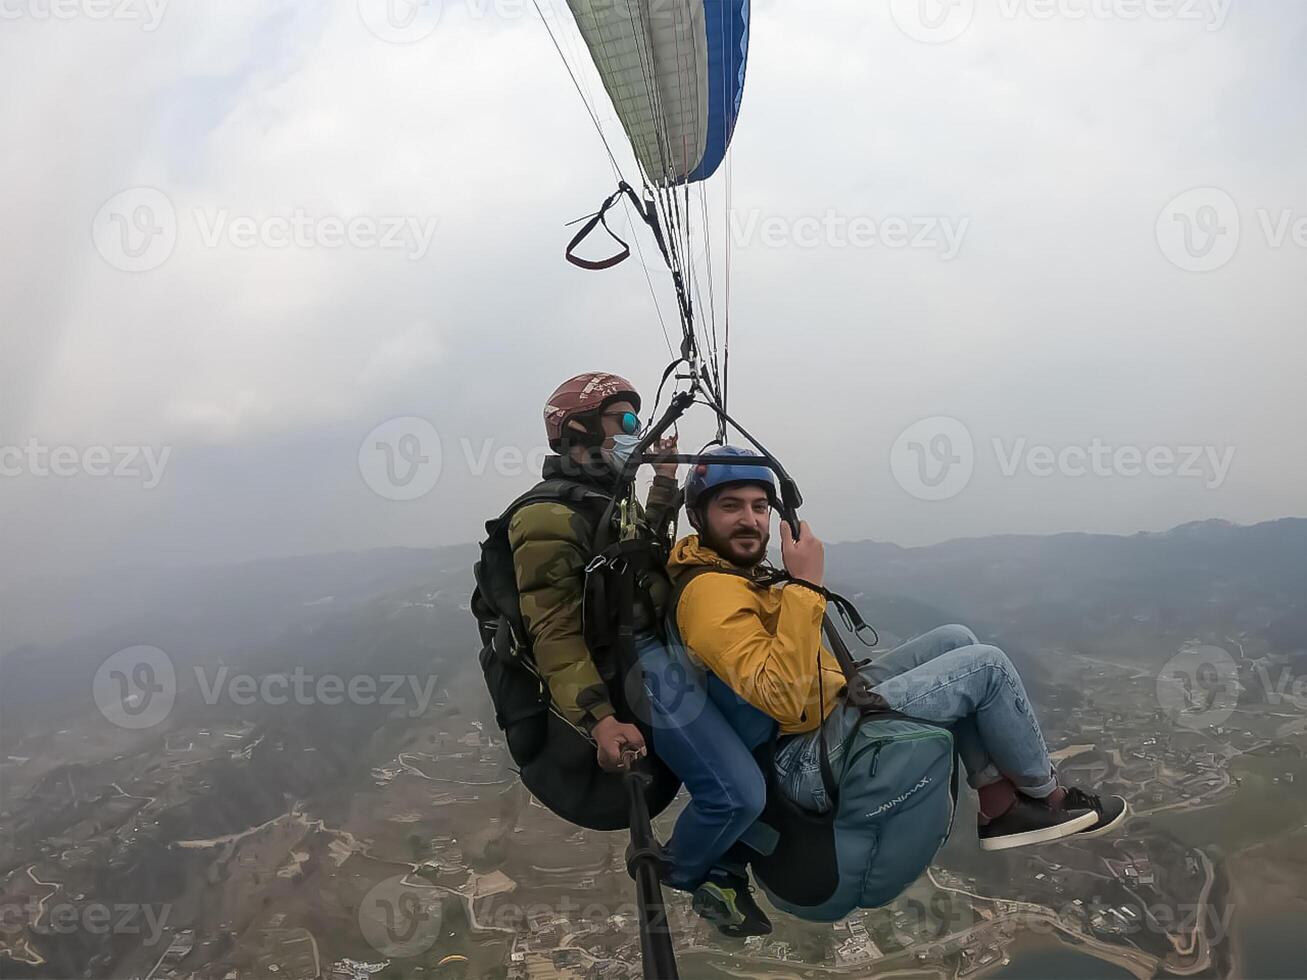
pixel 762 641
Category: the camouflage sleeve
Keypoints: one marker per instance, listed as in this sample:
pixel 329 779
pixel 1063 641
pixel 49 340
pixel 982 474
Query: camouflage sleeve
pixel 660 508
pixel 549 560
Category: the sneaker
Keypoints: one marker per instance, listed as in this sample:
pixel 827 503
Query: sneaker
pixel 1111 812
pixel 1031 821
pixel 726 901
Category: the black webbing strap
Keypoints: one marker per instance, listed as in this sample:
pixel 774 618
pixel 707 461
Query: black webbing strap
pixel 647 214
pixel 858 690
pixel 570 493
pixel 682 582
pixel 551 491
pixel 595 220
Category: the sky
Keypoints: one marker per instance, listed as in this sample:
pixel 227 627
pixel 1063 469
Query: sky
pixel 287 278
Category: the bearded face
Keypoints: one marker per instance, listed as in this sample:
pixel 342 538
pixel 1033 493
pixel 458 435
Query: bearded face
pixel 737 524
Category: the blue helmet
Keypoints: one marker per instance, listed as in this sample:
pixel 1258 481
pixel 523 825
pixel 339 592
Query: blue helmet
pixel 706 477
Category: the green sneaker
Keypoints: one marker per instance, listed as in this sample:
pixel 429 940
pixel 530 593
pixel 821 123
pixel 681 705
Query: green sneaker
pixel 726 901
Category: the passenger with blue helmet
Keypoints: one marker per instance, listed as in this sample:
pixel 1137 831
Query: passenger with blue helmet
pixel 759 636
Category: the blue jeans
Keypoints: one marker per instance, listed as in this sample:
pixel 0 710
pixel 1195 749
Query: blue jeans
pixel 945 676
pixel 705 733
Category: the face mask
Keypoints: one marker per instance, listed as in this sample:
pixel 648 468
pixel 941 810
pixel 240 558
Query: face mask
pixel 620 453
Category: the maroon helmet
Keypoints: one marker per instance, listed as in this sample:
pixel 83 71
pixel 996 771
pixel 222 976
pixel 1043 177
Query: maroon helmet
pixel 585 395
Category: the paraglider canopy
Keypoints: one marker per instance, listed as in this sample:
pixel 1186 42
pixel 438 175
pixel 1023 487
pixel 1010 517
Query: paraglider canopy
pixel 674 70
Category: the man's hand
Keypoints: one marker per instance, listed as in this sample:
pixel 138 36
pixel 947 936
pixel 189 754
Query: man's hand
pixel 619 744
pixel 665 447
pixel 805 558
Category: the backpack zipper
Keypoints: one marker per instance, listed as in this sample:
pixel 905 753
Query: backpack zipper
pixel 880 743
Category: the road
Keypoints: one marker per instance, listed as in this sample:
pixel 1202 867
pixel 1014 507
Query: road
pixel 22 951
pixel 154 969
pixel 1199 937
pixel 54 886
pixel 232 838
pixel 1141 964
pixel 441 779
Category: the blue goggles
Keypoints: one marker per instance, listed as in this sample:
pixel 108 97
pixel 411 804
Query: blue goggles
pixel 629 421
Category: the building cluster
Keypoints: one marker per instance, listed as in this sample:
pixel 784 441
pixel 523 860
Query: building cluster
pixel 545 931
pixel 768 948
pixel 573 964
pixel 446 854
pixel 979 957
pixel 347 969
pixel 859 949
pixel 1115 919
pixel 1135 868
pixel 291 954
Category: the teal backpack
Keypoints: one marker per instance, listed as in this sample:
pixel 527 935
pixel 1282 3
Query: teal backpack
pixel 893 800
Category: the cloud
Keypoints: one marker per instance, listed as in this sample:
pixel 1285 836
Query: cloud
pixel 1058 141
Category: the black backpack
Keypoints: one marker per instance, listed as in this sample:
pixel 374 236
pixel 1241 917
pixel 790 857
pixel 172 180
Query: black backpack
pixel 555 759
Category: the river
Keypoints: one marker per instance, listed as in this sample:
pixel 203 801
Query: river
pixel 1271 947
pixel 1056 962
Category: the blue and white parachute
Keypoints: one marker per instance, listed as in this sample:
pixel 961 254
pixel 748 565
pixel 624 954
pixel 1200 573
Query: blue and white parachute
pixel 674 70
